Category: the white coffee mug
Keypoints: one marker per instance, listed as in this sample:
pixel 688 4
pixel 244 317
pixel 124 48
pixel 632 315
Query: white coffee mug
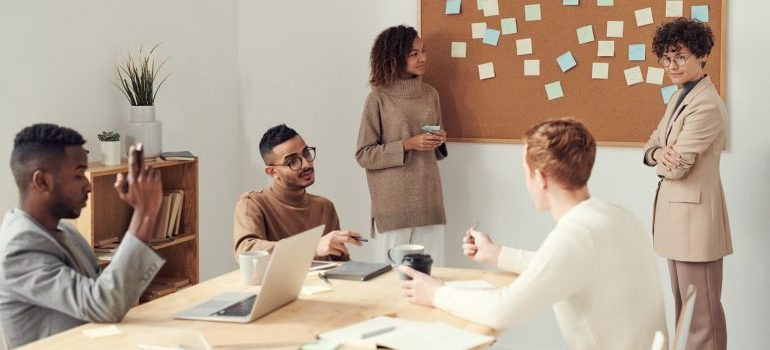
pixel 253 266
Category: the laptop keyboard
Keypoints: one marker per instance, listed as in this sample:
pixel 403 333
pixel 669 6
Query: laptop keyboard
pixel 241 308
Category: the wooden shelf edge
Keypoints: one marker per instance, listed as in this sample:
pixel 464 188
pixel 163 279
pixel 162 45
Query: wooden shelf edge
pixel 177 240
pixel 98 169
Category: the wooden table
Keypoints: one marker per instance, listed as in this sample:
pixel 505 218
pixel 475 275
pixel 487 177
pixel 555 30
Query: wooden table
pixel 348 303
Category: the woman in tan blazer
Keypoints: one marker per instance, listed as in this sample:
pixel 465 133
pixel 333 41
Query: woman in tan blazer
pixel 690 224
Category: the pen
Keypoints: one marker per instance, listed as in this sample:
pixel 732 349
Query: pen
pixel 323 277
pixel 378 332
pixel 475 228
pixel 360 239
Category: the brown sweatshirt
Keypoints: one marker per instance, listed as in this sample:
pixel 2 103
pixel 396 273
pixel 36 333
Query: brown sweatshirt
pixel 405 187
pixel 263 218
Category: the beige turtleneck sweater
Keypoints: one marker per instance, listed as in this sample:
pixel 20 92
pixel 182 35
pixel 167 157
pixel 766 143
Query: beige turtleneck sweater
pixel 265 217
pixel 405 186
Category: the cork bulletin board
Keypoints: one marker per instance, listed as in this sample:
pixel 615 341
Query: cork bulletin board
pixel 501 108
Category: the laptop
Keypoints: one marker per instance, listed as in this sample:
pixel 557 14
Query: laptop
pixel 281 285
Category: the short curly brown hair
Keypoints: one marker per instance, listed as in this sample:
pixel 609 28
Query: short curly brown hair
pixel 389 54
pixel 682 32
pixel 563 149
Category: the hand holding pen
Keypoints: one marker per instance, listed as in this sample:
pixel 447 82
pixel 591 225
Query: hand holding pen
pixel 479 247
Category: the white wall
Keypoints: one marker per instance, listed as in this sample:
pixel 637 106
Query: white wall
pixel 57 61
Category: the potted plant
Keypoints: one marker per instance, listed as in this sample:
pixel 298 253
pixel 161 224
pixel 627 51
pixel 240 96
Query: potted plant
pixel 110 146
pixel 139 82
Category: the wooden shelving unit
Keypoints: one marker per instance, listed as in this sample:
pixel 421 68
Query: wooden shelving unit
pixel 106 216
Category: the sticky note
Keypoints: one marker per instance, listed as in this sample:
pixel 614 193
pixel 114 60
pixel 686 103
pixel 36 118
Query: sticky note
pixel 553 90
pixel 566 61
pixel 452 7
pixel 633 75
pixel 614 29
pixel 655 75
pixel 643 17
pixel 477 30
pixel 606 48
pixel 508 26
pixel 585 34
pixel 491 36
pixel 674 8
pixel 486 71
pixel 491 8
pixel 102 331
pixel 458 49
pixel 600 70
pixel 524 46
pixel 531 67
pixel 480 5
pixel 636 52
pixel 700 12
pixel 532 12
pixel 315 289
pixel 605 2
pixel 667 92
pixel 571 2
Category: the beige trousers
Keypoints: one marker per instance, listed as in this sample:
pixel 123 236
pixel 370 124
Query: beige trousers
pixel 708 330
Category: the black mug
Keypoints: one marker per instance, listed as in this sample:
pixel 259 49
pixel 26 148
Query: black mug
pixel 419 262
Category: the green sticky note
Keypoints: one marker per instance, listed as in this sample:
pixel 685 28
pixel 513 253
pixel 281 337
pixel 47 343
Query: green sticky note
pixel 553 90
pixel 508 26
pixel 605 2
pixel 585 34
pixel 452 7
pixel 700 13
pixel 532 12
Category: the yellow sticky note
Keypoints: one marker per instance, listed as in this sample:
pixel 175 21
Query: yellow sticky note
pixel 606 48
pixel 531 67
pixel 524 46
pixel 655 75
pixel 491 8
pixel 458 49
pixel 478 29
pixel 486 70
pixel 614 29
pixel 643 17
pixel 633 75
pixel 600 70
pixel 674 8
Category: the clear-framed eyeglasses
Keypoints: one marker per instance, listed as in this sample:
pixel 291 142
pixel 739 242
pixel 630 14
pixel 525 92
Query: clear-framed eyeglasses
pixel 680 60
pixel 295 162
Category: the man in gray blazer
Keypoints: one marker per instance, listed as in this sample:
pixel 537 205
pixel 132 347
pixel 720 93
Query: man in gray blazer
pixel 49 278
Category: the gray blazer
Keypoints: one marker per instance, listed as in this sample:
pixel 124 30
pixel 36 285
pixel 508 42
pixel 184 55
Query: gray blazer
pixel 44 291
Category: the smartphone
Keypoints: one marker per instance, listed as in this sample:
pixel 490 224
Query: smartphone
pixel 138 160
pixel 431 128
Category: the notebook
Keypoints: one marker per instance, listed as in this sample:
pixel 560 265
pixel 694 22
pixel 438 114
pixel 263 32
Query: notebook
pixel 357 271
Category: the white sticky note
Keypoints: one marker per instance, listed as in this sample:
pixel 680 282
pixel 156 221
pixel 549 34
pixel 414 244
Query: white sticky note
pixel 600 70
pixel 508 26
pixel 643 17
pixel 674 8
pixel 614 29
pixel 605 2
pixel 633 75
pixel 102 331
pixel 585 34
pixel 491 8
pixel 478 29
pixel 486 71
pixel 524 46
pixel 459 49
pixel 655 75
pixel 531 67
pixel 606 48
pixel 480 5
pixel 553 90
pixel 532 12
pixel 315 289
pixel 571 3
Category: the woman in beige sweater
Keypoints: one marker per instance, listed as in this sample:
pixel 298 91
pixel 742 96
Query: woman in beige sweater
pixel 400 158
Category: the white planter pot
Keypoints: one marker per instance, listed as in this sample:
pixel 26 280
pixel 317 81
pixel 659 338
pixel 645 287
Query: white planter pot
pixel 110 152
pixel 149 134
pixel 142 113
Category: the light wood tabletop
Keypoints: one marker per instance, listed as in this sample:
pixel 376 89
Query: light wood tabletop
pixel 349 302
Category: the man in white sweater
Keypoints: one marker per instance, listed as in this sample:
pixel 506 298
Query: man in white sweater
pixel 596 267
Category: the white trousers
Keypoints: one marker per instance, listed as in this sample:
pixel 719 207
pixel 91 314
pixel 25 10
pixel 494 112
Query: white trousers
pixel 430 237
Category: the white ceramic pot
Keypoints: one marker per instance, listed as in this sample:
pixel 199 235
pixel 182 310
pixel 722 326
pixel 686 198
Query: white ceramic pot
pixel 142 113
pixel 150 134
pixel 110 152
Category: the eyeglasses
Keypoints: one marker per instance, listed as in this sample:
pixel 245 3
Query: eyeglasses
pixel 680 60
pixel 295 162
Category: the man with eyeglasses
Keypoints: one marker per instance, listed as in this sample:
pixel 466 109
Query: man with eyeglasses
pixel 283 209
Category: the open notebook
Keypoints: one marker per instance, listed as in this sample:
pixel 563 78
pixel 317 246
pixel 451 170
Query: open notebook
pixel 357 271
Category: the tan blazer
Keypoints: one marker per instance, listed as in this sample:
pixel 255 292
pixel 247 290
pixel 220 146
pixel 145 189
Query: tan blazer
pixel 690 216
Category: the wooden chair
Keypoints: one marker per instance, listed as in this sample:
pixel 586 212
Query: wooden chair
pixel 679 341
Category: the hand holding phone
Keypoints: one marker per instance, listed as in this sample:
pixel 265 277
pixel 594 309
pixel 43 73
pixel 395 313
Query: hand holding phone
pixel 431 128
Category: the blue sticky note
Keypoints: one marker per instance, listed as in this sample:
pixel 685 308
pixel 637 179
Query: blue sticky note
pixel 566 61
pixel 700 12
pixel 636 52
pixel 571 2
pixel 452 7
pixel 667 92
pixel 491 36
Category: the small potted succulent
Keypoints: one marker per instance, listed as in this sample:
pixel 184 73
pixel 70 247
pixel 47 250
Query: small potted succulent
pixel 110 146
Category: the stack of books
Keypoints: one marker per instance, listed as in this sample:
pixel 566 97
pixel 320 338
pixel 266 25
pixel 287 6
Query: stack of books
pixel 163 285
pixel 169 217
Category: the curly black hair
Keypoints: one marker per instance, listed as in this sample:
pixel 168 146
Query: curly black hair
pixel 274 137
pixel 389 54
pixel 682 32
pixel 38 145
